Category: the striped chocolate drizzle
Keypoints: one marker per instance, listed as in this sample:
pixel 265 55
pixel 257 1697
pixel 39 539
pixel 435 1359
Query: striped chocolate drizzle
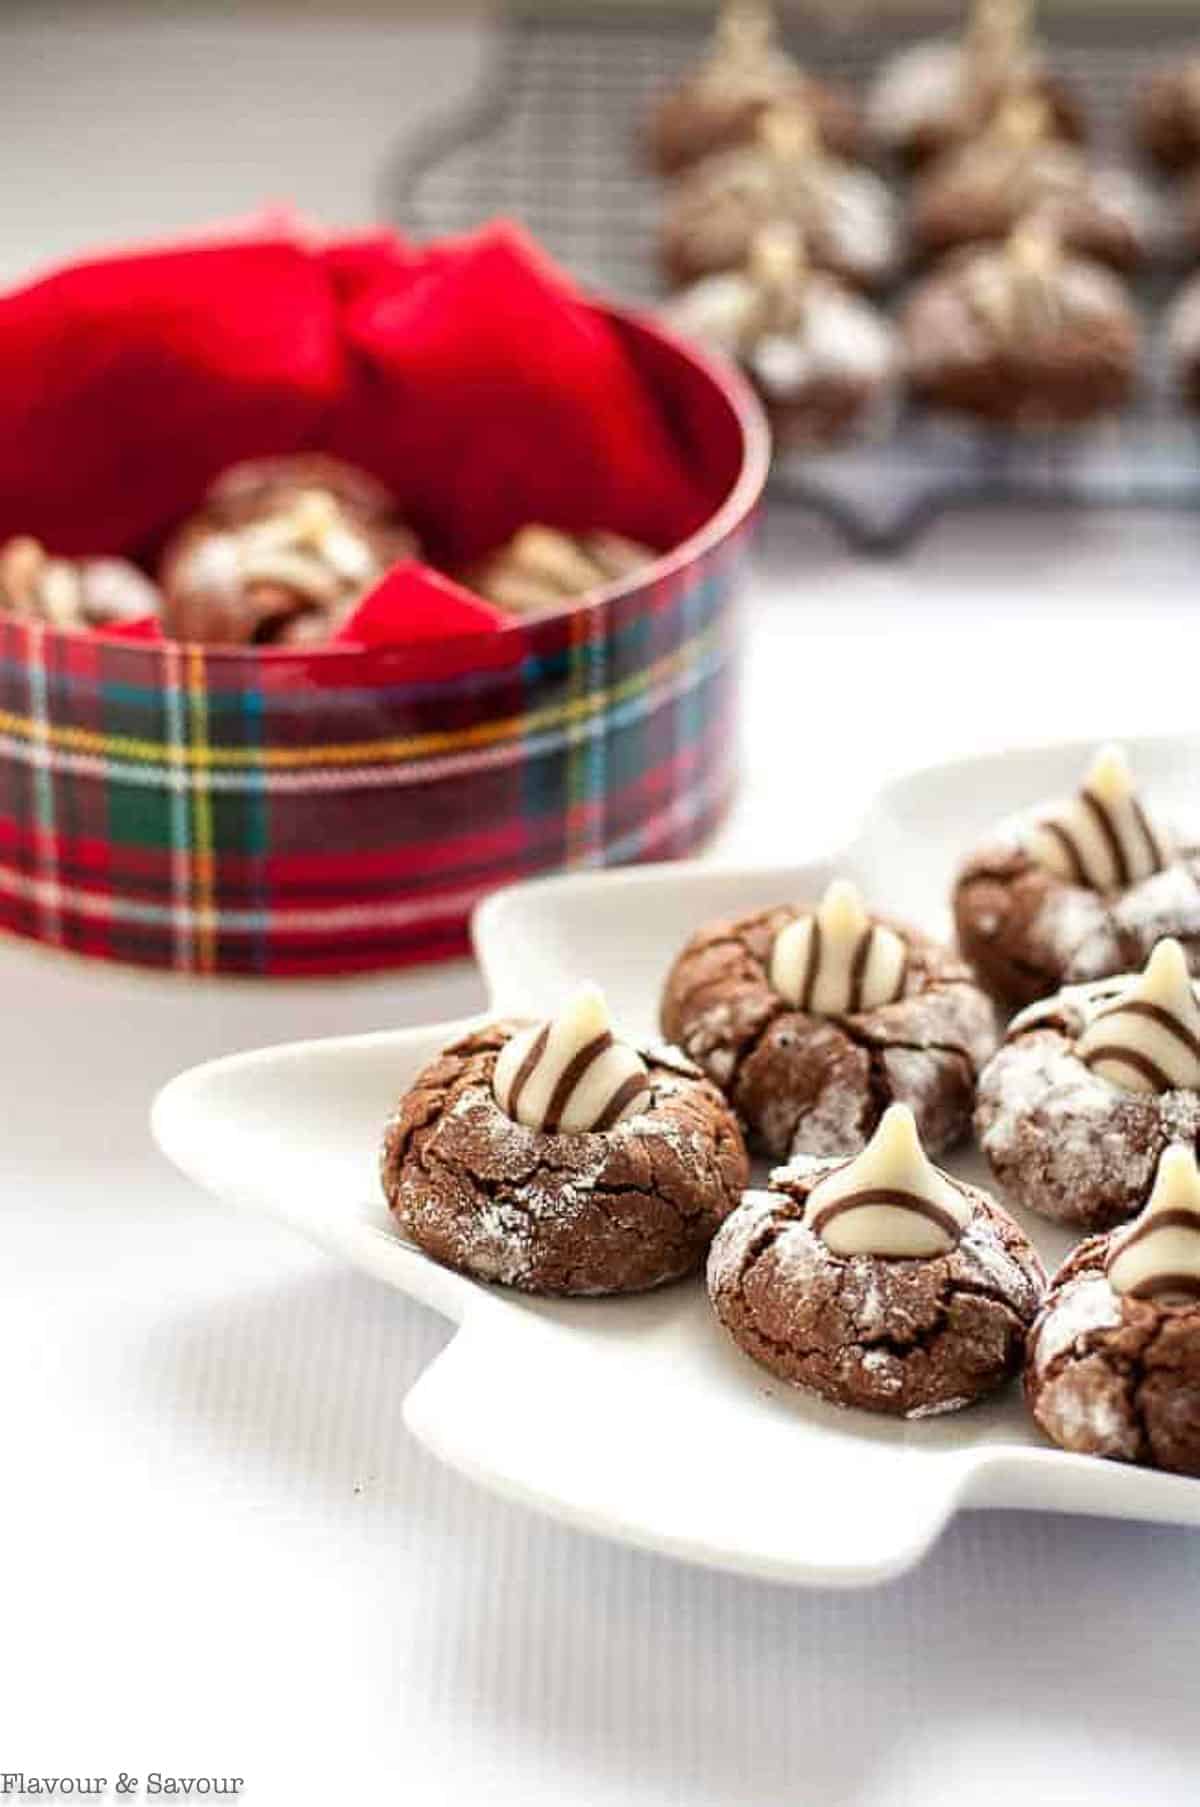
pixel 621 1099
pixel 888 1199
pixel 1113 1054
pixel 1103 819
pixel 1156 1013
pixel 1134 1058
pixel 570 1074
pixel 858 970
pixel 1147 1038
pixel 1109 827
pixel 813 965
pixel 1066 840
pixel 1154 847
pixel 1104 838
pixel 896 1198
pixel 570 1077
pixel 526 1070
pixel 1157 1286
pixel 1176 1218
pixel 837 961
pixel 1082 871
pixel 1159 1255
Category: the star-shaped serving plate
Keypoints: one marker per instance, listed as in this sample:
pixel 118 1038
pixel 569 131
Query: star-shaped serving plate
pixel 636 1418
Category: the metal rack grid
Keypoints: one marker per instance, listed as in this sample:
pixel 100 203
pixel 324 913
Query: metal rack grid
pixel 552 139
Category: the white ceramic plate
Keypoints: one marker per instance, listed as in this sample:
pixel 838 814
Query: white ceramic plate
pixel 636 1417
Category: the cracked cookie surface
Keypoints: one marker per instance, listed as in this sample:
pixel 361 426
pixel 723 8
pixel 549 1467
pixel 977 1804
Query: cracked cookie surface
pixel 598 1212
pixel 804 1084
pixel 1026 931
pixel 909 1337
pixel 1061 1139
pixel 1115 1377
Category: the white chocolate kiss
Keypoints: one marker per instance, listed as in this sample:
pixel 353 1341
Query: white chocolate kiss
pixel 569 1074
pixel 1147 1038
pixel 890 1200
pixel 838 961
pixel 1158 1256
pixel 1102 838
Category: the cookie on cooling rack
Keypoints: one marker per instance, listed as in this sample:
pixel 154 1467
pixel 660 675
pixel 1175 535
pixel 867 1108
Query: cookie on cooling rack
pixel 880 1282
pixel 720 102
pixel 940 92
pixel 824 361
pixel 1016 170
pixel 1166 120
pixel 554 1158
pixel 1077 889
pixel 1114 1354
pixel 1021 335
pixel 1183 338
pixel 812 1019
pixel 845 213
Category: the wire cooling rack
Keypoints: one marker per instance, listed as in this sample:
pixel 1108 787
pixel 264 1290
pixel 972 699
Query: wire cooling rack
pixel 552 139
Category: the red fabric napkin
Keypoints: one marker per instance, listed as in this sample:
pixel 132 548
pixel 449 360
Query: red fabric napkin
pixel 146 627
pixel 414 603
pixel 470 376
pixel 486 391
pixel 129 382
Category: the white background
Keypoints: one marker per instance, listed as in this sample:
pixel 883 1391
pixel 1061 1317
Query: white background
pixel 220 1553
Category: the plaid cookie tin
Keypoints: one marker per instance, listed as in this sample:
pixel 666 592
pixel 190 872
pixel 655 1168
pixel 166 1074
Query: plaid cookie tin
pixel 283 811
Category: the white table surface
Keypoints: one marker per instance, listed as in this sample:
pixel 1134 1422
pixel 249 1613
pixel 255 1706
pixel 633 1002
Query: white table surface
pixel 220 1553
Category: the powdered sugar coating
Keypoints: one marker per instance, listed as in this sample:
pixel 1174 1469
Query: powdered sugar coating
pixel 731 1250
pixel 840 336
pixel 1112 1376
pixel 1183 324
pixel 997 181
pixel 591 1212
pixel 913 1337
pixel 918 90
pixel 1073 931
pixel 846 214
pixel 1027 932
pixel 819 1085
pixel 827 336
pixel 1061 1139
pixel 1084 1305
pixel 1084 1409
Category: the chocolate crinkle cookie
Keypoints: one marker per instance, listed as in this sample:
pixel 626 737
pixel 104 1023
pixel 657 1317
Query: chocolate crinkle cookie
pixel 1089 1088
pixel 823 360
pixel 1017 170
pixel 1167 114
pixel 813 1021
pixel 542 569
pixel 1113 1363
pixel 1021 334
pixel 552 1158
pixel 845 213
pixel 280 553
pixel 720 102
pixel 880 1282
pixel 72 593
pixel 939 93
pixel 1183 335
pixel 1076 890
pixel 1188 198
